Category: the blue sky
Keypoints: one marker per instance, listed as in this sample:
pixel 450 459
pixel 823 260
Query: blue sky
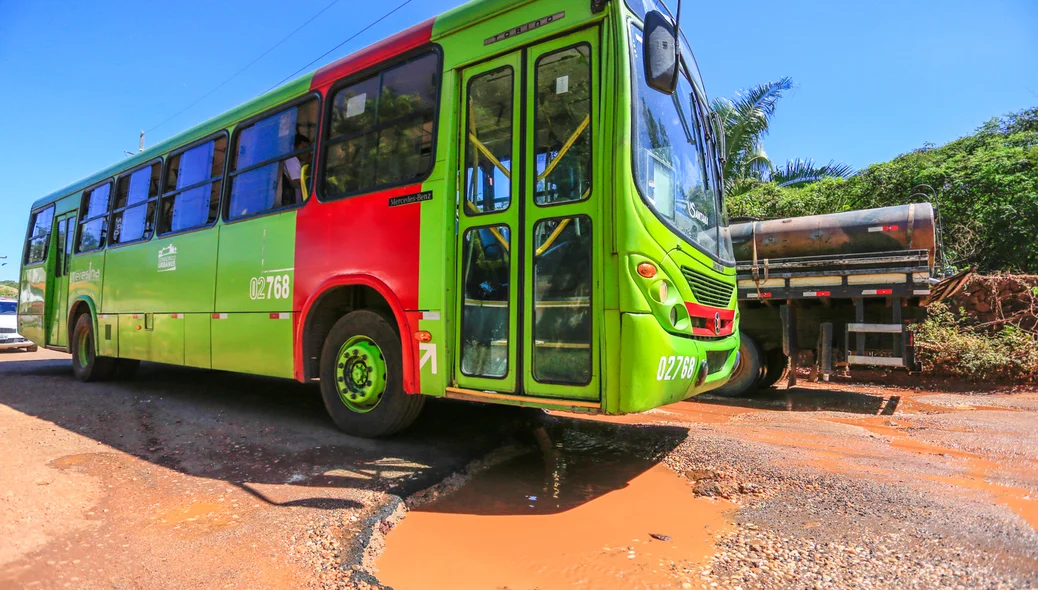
pixel 874 79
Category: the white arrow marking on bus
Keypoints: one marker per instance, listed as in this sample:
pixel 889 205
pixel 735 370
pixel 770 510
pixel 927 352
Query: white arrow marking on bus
pixel 428 352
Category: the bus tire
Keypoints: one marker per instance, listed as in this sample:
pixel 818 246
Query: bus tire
pixel 126 368
pixel 362 377
pixel 747 372
pixel 775 363
pixel 86 364
pixel 32 348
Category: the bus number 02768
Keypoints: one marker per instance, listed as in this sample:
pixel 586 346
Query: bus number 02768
pixel 673 367
pixel 270 287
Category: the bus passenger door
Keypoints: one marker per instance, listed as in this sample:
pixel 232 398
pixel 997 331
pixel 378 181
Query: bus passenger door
pixel 57 304
pixel 528 248
pixel 488 224
pixel 562 236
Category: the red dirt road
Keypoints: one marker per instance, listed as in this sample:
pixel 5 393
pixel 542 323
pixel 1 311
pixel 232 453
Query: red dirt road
pixel 184 478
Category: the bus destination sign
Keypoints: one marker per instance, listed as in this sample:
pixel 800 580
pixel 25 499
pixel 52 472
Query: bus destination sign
pixel 545 20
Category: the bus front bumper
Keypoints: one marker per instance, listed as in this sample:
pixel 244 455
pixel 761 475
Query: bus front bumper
pixel 15 343
pixel 659 368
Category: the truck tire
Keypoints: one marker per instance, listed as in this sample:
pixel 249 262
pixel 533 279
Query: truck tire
pixel 86 364
pixel 775 363
pixel 362 373
pixel 747 372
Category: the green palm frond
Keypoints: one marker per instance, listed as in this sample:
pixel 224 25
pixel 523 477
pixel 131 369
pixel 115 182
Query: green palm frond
pixel 746 119
pixel 799 172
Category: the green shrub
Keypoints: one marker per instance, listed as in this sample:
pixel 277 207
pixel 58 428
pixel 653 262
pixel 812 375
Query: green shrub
pixel 986 184
pixel 947 347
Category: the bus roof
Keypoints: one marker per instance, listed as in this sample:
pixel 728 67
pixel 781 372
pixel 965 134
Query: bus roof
pixel 222 121
pixel 455 19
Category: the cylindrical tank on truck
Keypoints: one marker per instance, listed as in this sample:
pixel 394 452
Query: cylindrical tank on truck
pixel 849 269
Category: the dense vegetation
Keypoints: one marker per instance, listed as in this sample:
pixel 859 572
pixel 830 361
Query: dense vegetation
pixel 8 289
pixel 948 344
pixel 986 187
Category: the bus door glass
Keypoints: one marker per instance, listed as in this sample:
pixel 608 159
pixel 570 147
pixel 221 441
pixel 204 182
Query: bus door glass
pixel 57 304
pixel 527 239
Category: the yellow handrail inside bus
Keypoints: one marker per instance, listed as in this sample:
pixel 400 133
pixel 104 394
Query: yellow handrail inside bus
pixel 551 239
pixel 501 239
pixel 486 152
pixel 558 230
pixel 565 148
pixel 302 181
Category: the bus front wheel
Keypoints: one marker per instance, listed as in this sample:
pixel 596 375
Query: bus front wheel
pixel 86 364
pixel 362 377
pixel 747 372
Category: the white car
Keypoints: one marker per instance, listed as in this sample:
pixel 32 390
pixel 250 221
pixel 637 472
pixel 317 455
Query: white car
pixel 9 336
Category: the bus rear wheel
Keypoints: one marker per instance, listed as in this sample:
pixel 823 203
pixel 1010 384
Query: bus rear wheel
pixel 86 364
pixel 362 377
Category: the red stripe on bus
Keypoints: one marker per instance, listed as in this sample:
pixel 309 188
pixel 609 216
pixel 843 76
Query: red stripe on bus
pixel 371 55
pixel 705 311
pixel 360 241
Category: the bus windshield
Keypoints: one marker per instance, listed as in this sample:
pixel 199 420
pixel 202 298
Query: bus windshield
pixel 8 308
pixel 675 163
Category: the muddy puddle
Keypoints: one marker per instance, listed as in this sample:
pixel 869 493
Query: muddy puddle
pixel 578 510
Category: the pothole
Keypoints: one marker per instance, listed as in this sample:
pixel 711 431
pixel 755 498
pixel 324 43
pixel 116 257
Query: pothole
pixel 578 511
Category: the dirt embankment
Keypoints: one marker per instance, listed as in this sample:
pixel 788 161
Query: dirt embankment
pixel 992 301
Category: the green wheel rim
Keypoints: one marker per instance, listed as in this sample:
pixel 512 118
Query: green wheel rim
pixel 360 374
pixel 84 348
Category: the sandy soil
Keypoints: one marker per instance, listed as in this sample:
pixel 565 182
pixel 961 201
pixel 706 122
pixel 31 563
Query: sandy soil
pixel 184 478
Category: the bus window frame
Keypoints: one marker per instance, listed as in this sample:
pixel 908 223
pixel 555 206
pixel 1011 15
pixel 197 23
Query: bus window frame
pixel 81 219
pixel 158 197
pixel 517 78
pixel 28 236
pixel 377 70
pixel 232 147
pixel 593 78
pixel 173 193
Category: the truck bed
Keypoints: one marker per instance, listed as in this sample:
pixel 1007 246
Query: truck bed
pixel 903 273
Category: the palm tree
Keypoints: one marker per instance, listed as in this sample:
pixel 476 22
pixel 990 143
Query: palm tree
pixel 746 121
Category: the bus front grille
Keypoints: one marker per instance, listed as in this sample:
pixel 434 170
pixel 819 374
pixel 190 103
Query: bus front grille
pixel 708 290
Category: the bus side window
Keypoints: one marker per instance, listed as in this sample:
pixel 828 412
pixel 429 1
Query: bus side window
pixel 191 196
pixel 134 206
pixel 381 129
pixel 93 228
pixel 267 169
pixel 39 236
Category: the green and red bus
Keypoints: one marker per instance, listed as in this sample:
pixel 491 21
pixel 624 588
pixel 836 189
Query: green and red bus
pixel 494 205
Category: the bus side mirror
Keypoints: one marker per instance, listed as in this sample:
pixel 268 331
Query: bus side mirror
pixel 661 53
